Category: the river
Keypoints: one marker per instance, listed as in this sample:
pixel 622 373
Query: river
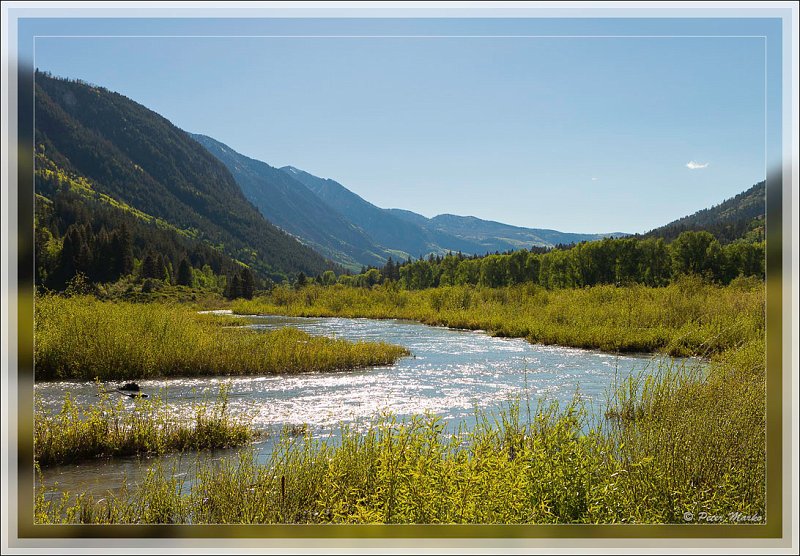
pixel 449 373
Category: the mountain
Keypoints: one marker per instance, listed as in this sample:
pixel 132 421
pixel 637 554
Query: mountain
pixel 137 159
pixel 403 237
pixel 495 236
pixel 417 235
pixel 290 205
pixel 732 219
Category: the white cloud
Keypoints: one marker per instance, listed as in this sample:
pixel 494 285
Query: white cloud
pixel 692 165
pixel 595 179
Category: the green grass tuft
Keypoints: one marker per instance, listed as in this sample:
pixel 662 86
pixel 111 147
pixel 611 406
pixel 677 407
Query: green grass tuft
pixel 688 317
pixel 81 337
pixel 108 429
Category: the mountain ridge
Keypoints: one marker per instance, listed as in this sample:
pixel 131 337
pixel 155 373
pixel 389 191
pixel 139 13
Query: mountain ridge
pixel 290 205
pixel 442 233
pixel 729 220
pixel 140 158
pixel 389 232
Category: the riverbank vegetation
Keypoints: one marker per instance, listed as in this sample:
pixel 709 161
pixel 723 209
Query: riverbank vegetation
pixel 688 317
pixel 630 260
pixel 108 429
pixel 677 442
pixel 672 443
pixel 84 338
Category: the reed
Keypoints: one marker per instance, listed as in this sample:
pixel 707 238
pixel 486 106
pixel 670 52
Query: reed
pixel 688 317
pixel 84 338
pixel 676 441
pixel 108 429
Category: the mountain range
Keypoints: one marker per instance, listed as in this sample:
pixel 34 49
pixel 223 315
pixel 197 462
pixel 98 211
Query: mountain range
pixel 353 232
pixel 297 210
pixel 139 162
pixel 417 235
pixel 728 221
pixel 110 150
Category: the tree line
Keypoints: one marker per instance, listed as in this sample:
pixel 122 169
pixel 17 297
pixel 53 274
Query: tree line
pixel 75 236
pixel 651 262
pixel 78 236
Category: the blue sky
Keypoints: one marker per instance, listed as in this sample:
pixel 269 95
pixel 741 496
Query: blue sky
pixel 581 134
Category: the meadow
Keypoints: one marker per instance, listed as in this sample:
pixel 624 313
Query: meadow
pixel 687 317
pixel 676 440
pixel 81 337
pixel 678 443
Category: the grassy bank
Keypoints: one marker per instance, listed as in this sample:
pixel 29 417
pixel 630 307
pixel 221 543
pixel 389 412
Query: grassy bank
pixel 681 443
pixel 674 443
pixel 108 429
pixel 688 317
pixel 81 337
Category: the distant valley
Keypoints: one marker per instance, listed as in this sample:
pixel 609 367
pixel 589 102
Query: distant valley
pixel 351 231
pixel 102 156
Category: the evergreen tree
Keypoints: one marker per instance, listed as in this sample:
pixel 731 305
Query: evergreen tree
pixel 101 270
pixel 150 267
pixel 83 263
pixel 69 254
pixel 235 289
pixel 161 268
pixel 125 251
pixel 248 283
pixel 184 277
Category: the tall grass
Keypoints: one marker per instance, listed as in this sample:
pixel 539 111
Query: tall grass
pixel 679 442
pixel 688 317
pixel 81 337
pixel 108 429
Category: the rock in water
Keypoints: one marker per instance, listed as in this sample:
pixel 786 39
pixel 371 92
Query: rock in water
pixel 132 390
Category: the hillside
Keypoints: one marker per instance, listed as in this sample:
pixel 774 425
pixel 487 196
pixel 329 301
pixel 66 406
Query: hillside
pixel 732 219
pixel 384 229
pixel 290 205
pixel 414 234
pixel 139 160
pixel 495 236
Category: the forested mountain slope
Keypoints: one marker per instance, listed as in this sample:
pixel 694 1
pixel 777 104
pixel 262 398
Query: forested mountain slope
pixel 139 160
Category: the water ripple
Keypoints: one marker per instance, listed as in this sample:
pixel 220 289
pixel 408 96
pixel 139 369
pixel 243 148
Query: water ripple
pixel 450 373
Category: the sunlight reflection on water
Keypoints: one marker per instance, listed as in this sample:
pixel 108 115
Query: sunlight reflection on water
pixel 450 373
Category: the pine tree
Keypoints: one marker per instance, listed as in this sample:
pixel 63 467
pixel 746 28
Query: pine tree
pixel 124 249
pixel 103 256
pixel 247 283
pixel 150 267
pixel 235 290
pixel 185 277
pixel 69 254
pixel 161 269
pixel 83 264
